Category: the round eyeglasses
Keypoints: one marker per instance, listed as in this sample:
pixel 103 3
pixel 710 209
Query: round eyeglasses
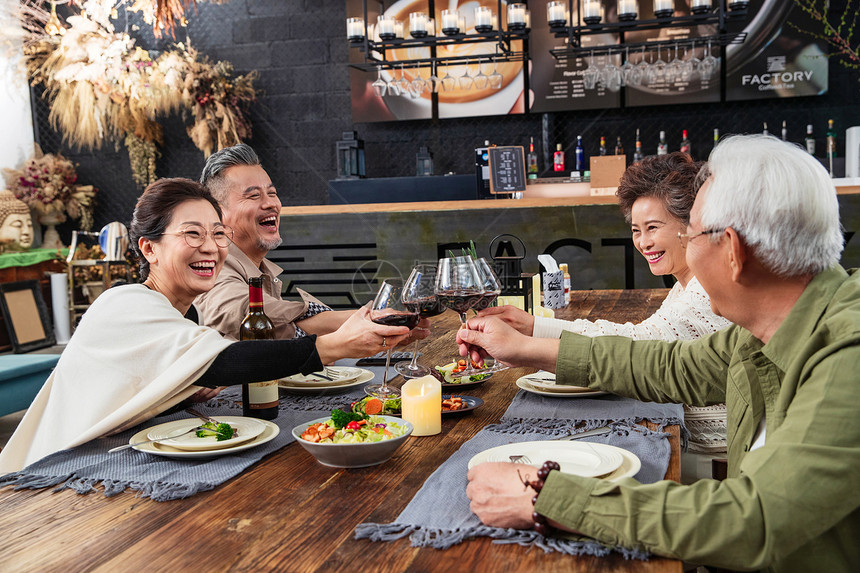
pixel 685 237
pixel 195 235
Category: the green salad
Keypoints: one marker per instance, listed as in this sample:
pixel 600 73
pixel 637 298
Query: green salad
pixel 448 374
pixel 353 428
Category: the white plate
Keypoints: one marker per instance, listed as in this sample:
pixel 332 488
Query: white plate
pixel 268 434
pixel 546 381
pixel 525 385
pixel 339 375
pixel 246 429
pixel 569 456
pixel 289 386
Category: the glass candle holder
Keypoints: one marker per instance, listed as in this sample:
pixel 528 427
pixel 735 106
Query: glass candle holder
pixel 386 27
pixel 355 29
pixel 700 6
pixel 430 27
pixel 663 8
pixel 528 20
pixel 461 23
pixel 418 24
pixel 738 5
pixel 516 17
pixel 483 19
pixel 398 30
pixel 556 13
pixel 592 12
pixel 628 10
pixel 450 22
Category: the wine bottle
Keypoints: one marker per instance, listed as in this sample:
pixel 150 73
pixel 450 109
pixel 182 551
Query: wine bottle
pixel 765 131
pixel 831 144
pixel 580 154
pixel 784 131
pixel 602 146
pixel 662 147
pixel 563 268
pixel 685 143
pixel 716 137
pixel 532 160
pixel 558 159
pixel 259 399
pixel 619 149
pixel 810 140
pixel 637 155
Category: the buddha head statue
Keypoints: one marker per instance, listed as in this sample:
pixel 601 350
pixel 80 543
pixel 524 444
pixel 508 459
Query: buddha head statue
pixel 15 222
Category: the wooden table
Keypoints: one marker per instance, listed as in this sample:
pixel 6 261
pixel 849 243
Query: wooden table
pixel 289 513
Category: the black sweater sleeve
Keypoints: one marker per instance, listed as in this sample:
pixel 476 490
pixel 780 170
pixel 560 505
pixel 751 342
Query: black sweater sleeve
pixel 261 360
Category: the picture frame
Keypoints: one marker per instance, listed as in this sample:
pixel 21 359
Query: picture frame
pixel 26 315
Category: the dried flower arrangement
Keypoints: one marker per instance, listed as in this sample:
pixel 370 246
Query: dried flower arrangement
pixel 48 185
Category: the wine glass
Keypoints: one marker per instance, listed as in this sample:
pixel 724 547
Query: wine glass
pixel 495 78
pixel 675 69
pixel 590 75
pixel 491 289
pixel 433 81
pixel 630 74
pixel 458 285
pixel 480 79
pixel 388 309
pixel 708 65
pixel 687 68
pixel 643 68
pixel 465 81
pixel 610 75
pixel 694 62
pixel 403 83
pixel 449 83
pixel 658 67
pixel 420 292
pixel 393 84
pixel 380 85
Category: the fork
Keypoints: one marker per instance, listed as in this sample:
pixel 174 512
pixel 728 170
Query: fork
pixel 202 416
pixel 126 446
pixel 520 459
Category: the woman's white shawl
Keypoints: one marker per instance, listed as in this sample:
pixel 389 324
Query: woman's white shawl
pixel 132 356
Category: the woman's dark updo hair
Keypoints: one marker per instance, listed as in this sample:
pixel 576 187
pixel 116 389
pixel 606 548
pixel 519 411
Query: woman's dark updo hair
pixel 670 178
pixel 154 211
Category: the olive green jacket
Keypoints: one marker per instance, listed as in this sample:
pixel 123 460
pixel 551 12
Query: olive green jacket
pixel 790 505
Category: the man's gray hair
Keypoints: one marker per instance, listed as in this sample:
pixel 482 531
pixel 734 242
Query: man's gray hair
pixel 779 199
pixel 220 161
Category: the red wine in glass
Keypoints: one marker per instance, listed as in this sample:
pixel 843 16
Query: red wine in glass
pixel 419 295
pixel 389 309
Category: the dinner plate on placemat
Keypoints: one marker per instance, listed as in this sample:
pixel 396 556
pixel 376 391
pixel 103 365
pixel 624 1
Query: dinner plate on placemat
pixel 523 384
pixel 300 388
pixel 339 375
pixel 246 429
pixel 546 381
pixel 470 401
pixel 269 433
pixel 579 458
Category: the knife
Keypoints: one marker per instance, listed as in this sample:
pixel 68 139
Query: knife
pixel 586 434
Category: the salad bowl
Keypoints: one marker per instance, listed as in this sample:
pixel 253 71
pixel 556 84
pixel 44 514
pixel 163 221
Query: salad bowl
pixel 354 454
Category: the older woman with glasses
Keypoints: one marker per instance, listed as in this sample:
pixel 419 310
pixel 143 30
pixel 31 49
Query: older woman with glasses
pixel 139 351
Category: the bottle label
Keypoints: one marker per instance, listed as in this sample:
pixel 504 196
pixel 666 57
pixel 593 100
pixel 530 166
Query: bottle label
pixel 262 395
pixel 685 148
pixel 255 297
pixel 810 146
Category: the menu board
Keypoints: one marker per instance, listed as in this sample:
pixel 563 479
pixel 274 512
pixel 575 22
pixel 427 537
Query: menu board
pixel 507 167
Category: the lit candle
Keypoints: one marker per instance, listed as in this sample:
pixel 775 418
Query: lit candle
pixel 628 9
pixel 483 19
pixel 528 19
pixel 663 8
pixel 421 405
pixel 516 16
pixel 450 22
pixel 355 29
pixel 385 27
pixel 461 24
pixel 418 24
pixel 591 12
pixel 398 29
pixel 556 13
pixel 431 27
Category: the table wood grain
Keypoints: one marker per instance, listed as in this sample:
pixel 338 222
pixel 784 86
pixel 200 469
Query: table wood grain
pixel 289 513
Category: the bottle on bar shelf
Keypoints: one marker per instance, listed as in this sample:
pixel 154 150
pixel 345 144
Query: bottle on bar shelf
pixel 532 160
pixel 563 268
pixel 580 154
pixel 637 154
pixel 685 143
pixel 662 147
pixel 765 131
pixel 716 137
pixel 831 145
pixel 259 399
pixel 602 146
pixel 619 149
pixel 558 158
pixel 810 140
pixel 784 131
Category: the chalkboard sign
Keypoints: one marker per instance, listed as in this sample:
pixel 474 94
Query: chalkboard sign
pixel 507 169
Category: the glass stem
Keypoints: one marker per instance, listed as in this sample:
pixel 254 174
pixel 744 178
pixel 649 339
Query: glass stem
pixel 384 388
pixel 414 364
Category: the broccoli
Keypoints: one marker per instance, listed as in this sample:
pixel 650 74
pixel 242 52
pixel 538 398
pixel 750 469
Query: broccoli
pixel 340 418
pixel 221 432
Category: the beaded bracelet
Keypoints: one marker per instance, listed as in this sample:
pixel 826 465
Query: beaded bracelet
pixel 541 525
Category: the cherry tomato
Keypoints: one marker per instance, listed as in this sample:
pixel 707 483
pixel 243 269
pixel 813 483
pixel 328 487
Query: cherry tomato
pixel 353 426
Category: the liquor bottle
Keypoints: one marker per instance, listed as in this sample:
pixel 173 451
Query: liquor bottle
pixel 619 149
pixel 637 155
pixel 831 144
pixel 765 131
pixel 580 154
pixel 784 131
pixel 558 159
pixel 685 143
pixel 662 147
pixel 810 140
pixel 563 268
pixel 259 399
pixel 716 137
pixel 602 146
pixel 532 160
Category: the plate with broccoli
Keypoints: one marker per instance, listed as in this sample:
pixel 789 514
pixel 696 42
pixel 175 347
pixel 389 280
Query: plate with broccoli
pixel 231 431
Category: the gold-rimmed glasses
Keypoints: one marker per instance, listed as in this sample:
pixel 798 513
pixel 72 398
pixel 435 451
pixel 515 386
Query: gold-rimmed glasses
pixel 195 235
pixel 685 237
